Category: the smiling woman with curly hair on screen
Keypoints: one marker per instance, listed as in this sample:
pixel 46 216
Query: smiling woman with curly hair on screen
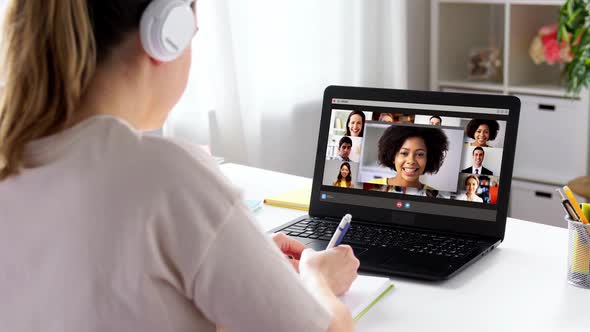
pixel 482 131
pixel 411 152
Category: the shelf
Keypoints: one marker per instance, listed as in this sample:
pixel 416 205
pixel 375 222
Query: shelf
pixel 468 27
pixel 474 1
pixel 514 2
pixel 537 2
pixel 525 22
pixel 542 182
pixel 472 85
pixel 539 89
pixel 553 127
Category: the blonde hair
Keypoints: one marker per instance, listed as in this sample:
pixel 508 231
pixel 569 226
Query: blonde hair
pixel 49 58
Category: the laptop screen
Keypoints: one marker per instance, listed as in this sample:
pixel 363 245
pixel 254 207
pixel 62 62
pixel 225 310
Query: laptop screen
pixel 415 157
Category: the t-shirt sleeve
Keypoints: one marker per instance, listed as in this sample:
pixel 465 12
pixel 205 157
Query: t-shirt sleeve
pixel 244 283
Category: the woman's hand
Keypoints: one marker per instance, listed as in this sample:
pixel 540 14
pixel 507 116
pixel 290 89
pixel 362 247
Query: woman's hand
pixel 290 247
pixel 337 266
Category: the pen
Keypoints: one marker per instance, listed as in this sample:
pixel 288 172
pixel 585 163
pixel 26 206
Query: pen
pixel 340 231
pixel 567 206
pixel 575 204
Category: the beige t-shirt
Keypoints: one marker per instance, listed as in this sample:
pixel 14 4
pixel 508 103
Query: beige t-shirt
pixel 112 230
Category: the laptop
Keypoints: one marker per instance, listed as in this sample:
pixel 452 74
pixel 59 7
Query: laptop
pixel 425 175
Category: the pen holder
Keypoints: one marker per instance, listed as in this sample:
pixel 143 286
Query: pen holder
pixel 578 269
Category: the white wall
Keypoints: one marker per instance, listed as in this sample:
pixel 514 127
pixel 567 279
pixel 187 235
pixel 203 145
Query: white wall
pixel 418 44
pixel 276 94
pixel 411 71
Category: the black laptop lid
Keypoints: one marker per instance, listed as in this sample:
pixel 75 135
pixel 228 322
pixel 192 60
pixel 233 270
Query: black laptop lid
pixel 433 160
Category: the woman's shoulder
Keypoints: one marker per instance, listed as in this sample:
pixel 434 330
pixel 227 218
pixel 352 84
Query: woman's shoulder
pixel 461 197
pixel 182 160
pixel 162 165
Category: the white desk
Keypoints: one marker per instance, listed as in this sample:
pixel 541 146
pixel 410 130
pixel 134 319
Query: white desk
pixel 519 286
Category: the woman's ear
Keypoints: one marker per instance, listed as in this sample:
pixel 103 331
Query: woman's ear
pixel 155 61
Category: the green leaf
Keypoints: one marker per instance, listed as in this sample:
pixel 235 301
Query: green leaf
pixel 573 16
pixel 563 35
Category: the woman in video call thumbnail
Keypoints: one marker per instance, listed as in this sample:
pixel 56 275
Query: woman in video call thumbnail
pixel 482 131
pixel 471 185
pixel 411 152
pixel 344 178
pixel 355 124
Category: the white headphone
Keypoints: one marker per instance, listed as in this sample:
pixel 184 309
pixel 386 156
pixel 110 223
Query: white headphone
pixel 167 28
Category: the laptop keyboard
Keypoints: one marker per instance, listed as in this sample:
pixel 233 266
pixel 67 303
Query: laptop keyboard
pixel 374 236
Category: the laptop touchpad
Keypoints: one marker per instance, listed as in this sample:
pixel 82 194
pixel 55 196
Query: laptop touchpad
pixel 413 263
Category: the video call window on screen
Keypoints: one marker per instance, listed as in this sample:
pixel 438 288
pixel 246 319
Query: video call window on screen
pixel 415 154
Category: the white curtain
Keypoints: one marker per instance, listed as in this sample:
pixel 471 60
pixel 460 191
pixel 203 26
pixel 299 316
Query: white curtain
pixel 260 68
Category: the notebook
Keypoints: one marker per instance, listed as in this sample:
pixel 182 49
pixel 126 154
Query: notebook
pixel 296 199
pixel 364 293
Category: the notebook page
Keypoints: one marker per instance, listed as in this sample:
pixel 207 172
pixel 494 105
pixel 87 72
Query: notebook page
pixel 364 290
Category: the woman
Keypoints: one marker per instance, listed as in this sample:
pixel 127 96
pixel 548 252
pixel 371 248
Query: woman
pixel 482 131
pixel 355 124
pixel 344 178
pixel 103 228
pixel 471 185
pixel 411 152
pixel 386 117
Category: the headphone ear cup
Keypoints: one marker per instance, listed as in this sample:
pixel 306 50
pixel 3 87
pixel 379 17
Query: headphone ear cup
pixel 167 28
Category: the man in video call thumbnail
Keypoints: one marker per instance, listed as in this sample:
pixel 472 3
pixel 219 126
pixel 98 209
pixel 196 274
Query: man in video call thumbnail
pixel 477 168
pixel 344 148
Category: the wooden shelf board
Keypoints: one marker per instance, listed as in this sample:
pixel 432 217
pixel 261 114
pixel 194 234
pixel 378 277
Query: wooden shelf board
pixel 512 2
pixel 489 2
pixel 472 85
pixel 538 2
pixel 539 89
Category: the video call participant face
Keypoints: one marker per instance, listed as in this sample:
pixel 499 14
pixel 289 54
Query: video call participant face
pixel 386 117
pixel 435 121
pixel 411 152
pixel 482 131
pixel 355 125
pixel 410 161
pixel 471 185
pixel 344 148
pixel 482 135
pixel 344 171
pixel 478 155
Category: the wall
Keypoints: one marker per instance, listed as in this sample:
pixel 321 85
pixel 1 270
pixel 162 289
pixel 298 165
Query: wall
pixel 416 76
pixel 364 34
pixel 418 44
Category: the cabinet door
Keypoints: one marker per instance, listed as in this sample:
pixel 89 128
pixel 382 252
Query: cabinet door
pixel 552 144
pixel 536 203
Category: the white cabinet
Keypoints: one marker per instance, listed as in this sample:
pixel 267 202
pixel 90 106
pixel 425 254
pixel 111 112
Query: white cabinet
pixel 553 144
pixel 535 201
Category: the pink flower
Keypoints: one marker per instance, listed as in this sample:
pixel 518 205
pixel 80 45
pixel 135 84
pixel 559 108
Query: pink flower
pixel 548 30
pixel 546 39
pixel 546 48
pixel 552 51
